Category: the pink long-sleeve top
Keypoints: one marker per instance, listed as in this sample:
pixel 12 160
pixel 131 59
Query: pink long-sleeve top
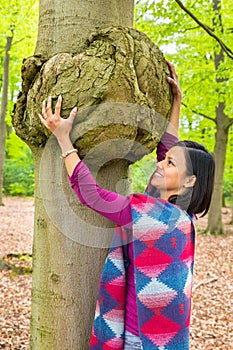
pixel 116 208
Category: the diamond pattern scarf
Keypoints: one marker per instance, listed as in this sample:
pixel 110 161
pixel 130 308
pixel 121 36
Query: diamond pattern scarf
pixel 163 243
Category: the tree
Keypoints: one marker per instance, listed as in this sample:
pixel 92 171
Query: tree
pixel 199 49
pixel 223 123
pixel 4 110
pixel 121 117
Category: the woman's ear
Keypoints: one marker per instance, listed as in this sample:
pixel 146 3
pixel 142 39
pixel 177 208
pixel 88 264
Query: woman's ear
pixel 190 181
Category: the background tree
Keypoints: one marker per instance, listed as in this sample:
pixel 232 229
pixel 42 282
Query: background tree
pixel 121 117
pixel 198 49
pixel 4 110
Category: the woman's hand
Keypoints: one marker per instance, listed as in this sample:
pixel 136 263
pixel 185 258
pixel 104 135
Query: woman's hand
pixel 174 82
pixel 173 125
pixel 60 127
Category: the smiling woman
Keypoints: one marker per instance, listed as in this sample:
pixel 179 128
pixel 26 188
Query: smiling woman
pixel 170 177
pixel 145 289
pixel 179 176
pixel 200 168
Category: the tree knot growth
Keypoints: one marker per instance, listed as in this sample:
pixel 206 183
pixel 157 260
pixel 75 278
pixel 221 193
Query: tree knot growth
pixel 119 84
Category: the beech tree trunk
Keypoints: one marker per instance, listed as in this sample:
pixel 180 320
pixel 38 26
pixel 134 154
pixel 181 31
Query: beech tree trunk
pixel 79 18
pixel 221 138
pixel 118 80
pixel 3 112
pixel 215 225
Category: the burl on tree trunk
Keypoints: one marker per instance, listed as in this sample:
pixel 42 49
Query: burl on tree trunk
pixel 119 85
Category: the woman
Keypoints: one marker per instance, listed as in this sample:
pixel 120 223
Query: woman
pixel 145 289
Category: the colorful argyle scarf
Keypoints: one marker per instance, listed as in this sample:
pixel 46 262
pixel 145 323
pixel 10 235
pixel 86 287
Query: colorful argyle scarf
pixel 163 242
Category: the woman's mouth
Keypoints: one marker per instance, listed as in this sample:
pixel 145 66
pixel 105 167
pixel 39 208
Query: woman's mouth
pixel 157 173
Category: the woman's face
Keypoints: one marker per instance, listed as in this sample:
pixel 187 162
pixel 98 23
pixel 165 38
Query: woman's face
pixel 170 175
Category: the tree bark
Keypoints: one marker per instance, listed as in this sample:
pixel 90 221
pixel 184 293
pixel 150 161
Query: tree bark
pixel 215 225
pixel 80 18
pixel 118 79
pixel 222 120
pixel 3 112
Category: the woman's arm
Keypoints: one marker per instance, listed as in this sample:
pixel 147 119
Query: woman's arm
pixel 166 142
pixel 109 204
pixel 170 137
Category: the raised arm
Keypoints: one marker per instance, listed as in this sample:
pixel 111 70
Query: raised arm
pixel 170 137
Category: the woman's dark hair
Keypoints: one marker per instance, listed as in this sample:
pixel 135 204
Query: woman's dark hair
pixel 199 162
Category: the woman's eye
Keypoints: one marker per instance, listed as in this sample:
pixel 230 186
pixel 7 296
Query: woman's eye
pixel 170 162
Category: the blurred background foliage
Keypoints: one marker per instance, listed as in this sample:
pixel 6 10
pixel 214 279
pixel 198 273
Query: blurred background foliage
pixel 20 19
pixel 182 41
pixel 18 169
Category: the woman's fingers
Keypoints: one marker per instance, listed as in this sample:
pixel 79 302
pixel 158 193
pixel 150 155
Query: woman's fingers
pixel 170 66
pixel 43 121
pixel 168 63
pixel 44 109
pixel 48 108
pixel 54 121
pixel 172 81
pixel 173 73
pixel 72 115
pixel 172 70
pixel 58 107
pixel 47 117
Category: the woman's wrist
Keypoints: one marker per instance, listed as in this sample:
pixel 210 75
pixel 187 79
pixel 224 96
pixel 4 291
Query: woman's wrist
pixel 65 144
pixel 177 99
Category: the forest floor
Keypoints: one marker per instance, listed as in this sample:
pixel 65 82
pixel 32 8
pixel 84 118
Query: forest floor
pixel 211 323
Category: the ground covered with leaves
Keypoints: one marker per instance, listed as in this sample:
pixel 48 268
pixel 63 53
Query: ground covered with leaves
pixel 211 323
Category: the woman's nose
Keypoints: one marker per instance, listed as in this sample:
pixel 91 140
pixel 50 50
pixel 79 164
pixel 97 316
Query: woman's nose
pixel 160 164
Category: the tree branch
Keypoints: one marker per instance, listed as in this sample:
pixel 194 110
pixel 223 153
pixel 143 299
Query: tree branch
pixel 14 43
pixel 226 49
pixel 199 113
pixel 230 123
pixel 213 279
pixel 188 29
